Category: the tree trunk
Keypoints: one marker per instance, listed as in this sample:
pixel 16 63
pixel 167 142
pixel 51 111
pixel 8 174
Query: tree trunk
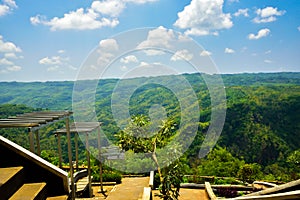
pixel 156 162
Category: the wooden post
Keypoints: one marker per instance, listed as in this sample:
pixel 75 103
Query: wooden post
pixel 31 140
pixel 59 149
pixel 100 162
pixel 76 150
pixel 37 138
pixel 70 157
pixel 89 163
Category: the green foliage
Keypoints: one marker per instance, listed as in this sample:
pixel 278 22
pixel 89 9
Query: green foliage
pixel 262 120
pixel 170 185
pixel 250 172
pixel 139 138
pixel 107 177
pixel 220 162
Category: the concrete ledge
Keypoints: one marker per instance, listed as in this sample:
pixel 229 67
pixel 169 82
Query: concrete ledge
pixel 278 196
pixel 278 188
pixel 151 180
pixel 147 194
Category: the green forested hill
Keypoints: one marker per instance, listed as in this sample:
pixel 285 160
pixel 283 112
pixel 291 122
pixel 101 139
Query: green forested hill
pixel 262 120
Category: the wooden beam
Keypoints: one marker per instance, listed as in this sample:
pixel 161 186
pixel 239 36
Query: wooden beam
pixel 209 191
pixel 70 157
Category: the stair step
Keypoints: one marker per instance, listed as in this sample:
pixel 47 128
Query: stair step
pixel 11 179
pixel 64 197
pixel 30 191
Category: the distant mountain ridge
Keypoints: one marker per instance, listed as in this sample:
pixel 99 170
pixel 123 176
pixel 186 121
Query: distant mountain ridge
pixel 58 94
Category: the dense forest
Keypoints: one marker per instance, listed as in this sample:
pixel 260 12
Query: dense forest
pixel 261 133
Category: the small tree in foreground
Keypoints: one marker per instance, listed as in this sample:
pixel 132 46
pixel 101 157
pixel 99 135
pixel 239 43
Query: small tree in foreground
pixel 141 137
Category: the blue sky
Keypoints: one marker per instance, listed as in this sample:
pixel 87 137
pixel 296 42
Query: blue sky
pixel 50 39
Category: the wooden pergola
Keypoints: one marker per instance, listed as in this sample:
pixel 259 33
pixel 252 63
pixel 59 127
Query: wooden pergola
pixel 36 120
pixel 82 128
pixel 33 122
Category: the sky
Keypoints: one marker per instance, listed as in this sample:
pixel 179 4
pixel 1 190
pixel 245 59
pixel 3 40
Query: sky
pixel 51 40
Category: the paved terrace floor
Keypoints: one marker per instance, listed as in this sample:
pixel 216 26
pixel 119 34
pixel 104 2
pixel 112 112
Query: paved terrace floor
pixel 132 189
pixel 129 189
pixel 188 194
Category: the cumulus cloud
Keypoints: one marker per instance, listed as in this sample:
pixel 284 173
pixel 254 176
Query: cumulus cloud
pixel 229 51
pixel 11 55
pixel 55 60
pixel 8 51
pixel 106 50
pixel 267 14
pixel 109 7
pixel 79 20
pixel 61 51
pixel 14 68
pixel 7 6
pixel 4 61
pixel 242 12
pixel 129 59
pixel 8 46
pixel 160 37
pixel 205 53
pixel 182 55
pixel 298 28
pixel 109 45
pixel 261 33
pixel 203 17
pixel 267 61
pixel 56 63
pixel 100 14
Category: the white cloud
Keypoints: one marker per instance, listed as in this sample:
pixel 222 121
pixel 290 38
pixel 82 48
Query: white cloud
pixel 55 60
pixel 111 8
pixel 4 9
pixel 14 68
pixel 298 28
pixel 268 52
pixel 129 59
pixel 267 61
pixel 76 20
pixel 53 68
pixel 160 37
pixel 11 55
pixel 243 12
pixel 56 63
pixel 261 33
pixel 8 50
pixel 109 45
pixel 267 14
pixel 229 51
pixel 106 50
pixel 203 17
pixel 100 14
pixel 123 68
pixel 61 51
pixel 205 53
pixel 182 55
pixel 10 3
pixel 6 47
pixel 7 7
pixel 4 61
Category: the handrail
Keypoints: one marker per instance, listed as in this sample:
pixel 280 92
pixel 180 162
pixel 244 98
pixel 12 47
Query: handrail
pixel 209 191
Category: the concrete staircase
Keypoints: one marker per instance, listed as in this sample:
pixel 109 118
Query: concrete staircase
pixel 25 176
